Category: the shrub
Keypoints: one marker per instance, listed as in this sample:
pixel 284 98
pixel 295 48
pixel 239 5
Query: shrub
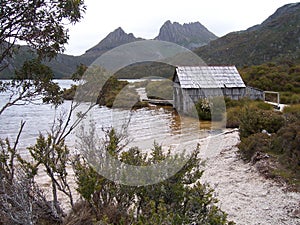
pixel 261 105
pixel 253 121
pixel 288 144
pixel 211 108
pixel 233 117
pixel 203 109
pixel 68 94
pixel 179 199
pixel 292 113
pixel 258 142
pixel 234 103
pixel 292 109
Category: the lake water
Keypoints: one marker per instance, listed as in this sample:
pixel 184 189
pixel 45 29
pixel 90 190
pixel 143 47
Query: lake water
pixel 160 124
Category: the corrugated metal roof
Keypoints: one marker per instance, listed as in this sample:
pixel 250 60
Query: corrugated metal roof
pixel 209 77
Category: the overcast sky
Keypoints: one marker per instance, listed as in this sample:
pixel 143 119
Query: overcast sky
pixel 144 18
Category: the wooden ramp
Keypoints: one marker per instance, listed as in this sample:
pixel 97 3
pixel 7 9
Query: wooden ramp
pixel 160 102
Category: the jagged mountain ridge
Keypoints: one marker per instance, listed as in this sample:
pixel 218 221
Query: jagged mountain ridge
pixel 189 35
pixel 277 38
pixel 113 39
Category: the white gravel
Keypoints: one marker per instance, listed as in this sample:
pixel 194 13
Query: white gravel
pixel 243 193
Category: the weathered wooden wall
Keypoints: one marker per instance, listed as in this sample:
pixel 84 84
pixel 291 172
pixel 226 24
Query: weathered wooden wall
pixel 185 98
pixel 254 93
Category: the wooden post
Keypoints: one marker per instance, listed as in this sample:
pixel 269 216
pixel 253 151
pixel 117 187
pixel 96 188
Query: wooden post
pixel 272 92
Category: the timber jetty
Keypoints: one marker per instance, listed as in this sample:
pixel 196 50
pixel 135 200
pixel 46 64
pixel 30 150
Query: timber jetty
pixel 154 101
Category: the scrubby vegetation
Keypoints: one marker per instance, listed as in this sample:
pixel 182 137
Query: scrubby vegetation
pixel 114 89
pixel 232 108
pixel 269 138
pixel 283 77
pixel 272 138
pixel 114 93
pixel 179 199
pixel 211 108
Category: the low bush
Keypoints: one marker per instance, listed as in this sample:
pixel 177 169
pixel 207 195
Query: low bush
pixel 283 145
pixel 287 144
pixel 68 94
pixel 233 117
pixel 292 110
pixel 254 120
pixel 258 142
pixel 203 109
pixel 261 105
pixel 211 108
pixel 178 199
pixel 231 103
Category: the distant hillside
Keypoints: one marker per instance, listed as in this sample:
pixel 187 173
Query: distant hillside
pixel 189 35
pixel 63 65
pixel 275 39
pixel 16 61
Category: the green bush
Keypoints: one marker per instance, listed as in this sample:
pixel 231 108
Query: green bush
pixel 117 93
pixel 178 199
pixel 230 103
pixel 261 105
pixel 287 143
pixel 211 108
pixel 257 142
pixel 289 98
pixel 283 144
pixel 203 109
pixel 254 120
pixel 233 117
pixel 292 109
pixel 68 94
pixel 282 76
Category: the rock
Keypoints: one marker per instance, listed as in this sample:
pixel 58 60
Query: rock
pixel 296 213
pixel 113 39
pixel 189 35
pixel 259 156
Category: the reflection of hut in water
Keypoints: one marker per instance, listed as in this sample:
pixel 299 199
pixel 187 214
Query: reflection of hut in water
pixel 199 82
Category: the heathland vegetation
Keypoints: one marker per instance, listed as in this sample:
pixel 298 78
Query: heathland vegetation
pixel 177 199
pixel 269 139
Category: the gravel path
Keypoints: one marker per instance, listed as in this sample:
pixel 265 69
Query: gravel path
pixel 244 195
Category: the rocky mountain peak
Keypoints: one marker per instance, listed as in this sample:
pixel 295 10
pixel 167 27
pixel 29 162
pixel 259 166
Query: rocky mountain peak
pixel 189 35
pixel 113 39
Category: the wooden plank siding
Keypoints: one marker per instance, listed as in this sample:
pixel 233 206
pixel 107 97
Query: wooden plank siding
pixel 189 86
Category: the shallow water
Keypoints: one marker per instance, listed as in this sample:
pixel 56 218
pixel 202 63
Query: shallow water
pixel 144 126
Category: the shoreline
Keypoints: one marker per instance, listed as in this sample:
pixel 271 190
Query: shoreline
pixel 243 193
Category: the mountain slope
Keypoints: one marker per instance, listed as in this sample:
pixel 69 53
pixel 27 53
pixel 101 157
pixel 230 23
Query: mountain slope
pixel 189 35
pixel 65 65
pixel 277 38
pixel 114 39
